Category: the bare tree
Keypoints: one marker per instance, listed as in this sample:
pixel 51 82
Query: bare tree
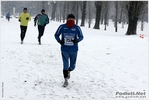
pixel 89 14
pixel 116 15
pixel 64 12
pixel 102 17
pixel 83 13
pixel 58 11
pixel 74 10
pixel 133 9
pixel 53 16
pixel 43 4
pixel 98 5
pixel 121 14
pixel 143 15
pixel 142 21
pixel 123 20
pixel 106 5
pixel 77 11
pixel 124 15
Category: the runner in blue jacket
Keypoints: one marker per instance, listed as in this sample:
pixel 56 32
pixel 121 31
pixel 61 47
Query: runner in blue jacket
pixel 71 34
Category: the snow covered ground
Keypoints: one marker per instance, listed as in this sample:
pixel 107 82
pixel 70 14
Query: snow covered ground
pixel 107 63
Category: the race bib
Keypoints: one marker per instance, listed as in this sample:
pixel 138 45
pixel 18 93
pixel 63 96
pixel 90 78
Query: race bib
pixel 68 39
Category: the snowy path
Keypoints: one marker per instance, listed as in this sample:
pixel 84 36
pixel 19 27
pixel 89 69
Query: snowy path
pixel 107 63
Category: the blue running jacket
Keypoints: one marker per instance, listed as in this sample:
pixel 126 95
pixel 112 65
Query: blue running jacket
pixel 67 35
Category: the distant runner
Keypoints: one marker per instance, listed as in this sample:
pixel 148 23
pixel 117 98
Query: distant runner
pixel 23 19
pixel 42 20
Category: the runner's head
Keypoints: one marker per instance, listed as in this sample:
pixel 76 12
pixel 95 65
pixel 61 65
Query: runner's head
pixel 25 10
pixel 70 17
pixel 70 20
pixel 43 11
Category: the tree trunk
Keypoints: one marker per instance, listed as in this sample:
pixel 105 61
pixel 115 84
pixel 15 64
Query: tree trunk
pixel 120 20
pixel 106 14
pixel 77 9
pixel 123 22
pixel 98 5
pixel 116 14
pixel 83 13
pixel 142 21
pixel 132 18
pixel 53 11
pixel 102 15
pixel 142 25
pixel 132 26
pixel 97 20
pixel 89 15
pixel 64 13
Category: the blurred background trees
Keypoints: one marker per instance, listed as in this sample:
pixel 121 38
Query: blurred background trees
pixel 95 12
